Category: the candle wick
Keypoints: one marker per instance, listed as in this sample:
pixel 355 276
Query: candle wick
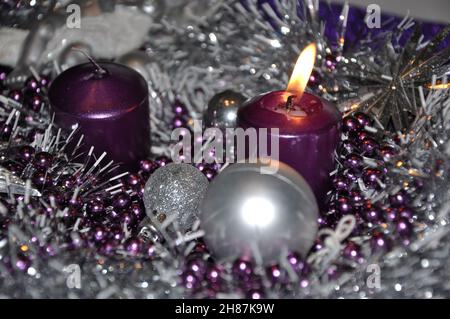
pixel 289 103
pixel 98 69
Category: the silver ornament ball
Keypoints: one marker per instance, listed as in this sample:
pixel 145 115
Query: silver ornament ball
pixel 137 60
pixel 248 213
pixel 175 191
pixel 222 109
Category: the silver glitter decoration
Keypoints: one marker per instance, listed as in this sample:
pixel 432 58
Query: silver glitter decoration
pixel 248 211
pixel 222 109
pixel 174 193
pixel 10 183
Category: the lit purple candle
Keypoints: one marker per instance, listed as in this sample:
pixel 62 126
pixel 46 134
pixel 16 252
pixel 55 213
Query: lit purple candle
pixel 309 127
pixel 110 103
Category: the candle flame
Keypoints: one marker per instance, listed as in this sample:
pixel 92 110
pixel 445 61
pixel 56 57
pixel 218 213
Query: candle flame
pixel 302 71
pixel 439 86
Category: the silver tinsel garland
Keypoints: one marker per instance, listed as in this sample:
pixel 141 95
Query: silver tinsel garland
pixel 252 50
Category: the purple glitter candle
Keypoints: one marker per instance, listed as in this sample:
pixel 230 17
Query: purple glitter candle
pixel 308 133
pixel 109 101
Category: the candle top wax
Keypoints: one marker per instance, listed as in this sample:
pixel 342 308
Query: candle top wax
pixel 273 110
pixel 86 92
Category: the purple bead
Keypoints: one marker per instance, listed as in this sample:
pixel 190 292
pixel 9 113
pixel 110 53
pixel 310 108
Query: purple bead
pixel 379 242
pixel 356 197
pixel 276 274
pixel 22 262
pixel 197 266
pixel 390 213
pixel 95 208
pixel 138 211
pixel 362 118
pixel 349 146
pixel 344 205
pixel 4 71
pixel 213 274
pixel 370 176
pixel 162 160
pixel 5 131
pixel 178 122
pixel 242 269
pixel 16 95
pixel 45 81
pixel 403 228
pixel 351 124
pixel 298 265
pixel 99 234
pixel 255 294
pixel 387 153
pixel 67 181
pixel 352 251
pixel 33 102
pixel 333 272
pixel 147 166
pixel 330 61
pixel 190 281
pixel 25 154
pixel 200 247
pixel 108 247
pixel 41 179
pixel 127 218
pixel 179 109
pixel 133 246
pixel 353 161
pixel 399 199
pixel 133 180
pixel 372 214
pixel 352 175
pixel 340 183
pixel 33 85
pixel 359 137
pixel 210 173
pixel 121 201
pixel 116 233
pixel 370 146
pixel 314 79
pixel 43 160
pixel 405 212
pixel 149 251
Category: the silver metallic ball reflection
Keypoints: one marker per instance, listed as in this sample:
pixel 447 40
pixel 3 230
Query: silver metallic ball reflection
pixel 137 60
pixel 245 212
pixel 222 109
pixel 175 191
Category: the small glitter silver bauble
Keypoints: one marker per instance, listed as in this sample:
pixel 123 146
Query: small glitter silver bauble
pixel 222 109
pixel 175 190
pixel 248 213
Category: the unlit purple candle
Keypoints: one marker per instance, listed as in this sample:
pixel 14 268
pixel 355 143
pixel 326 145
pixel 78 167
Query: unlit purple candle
pixel 109 101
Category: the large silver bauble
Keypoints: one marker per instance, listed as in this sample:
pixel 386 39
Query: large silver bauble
pixel 222 109
pixel 246 213
pixel 175 191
